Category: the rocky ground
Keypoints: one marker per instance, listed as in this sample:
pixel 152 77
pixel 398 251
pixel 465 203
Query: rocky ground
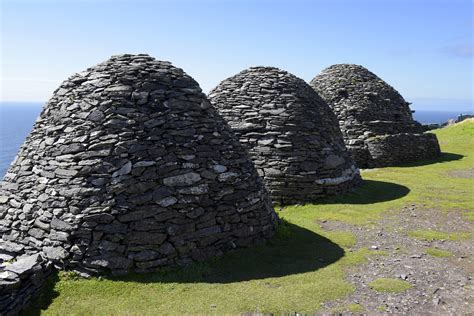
pixel 462 173
pixel 439 285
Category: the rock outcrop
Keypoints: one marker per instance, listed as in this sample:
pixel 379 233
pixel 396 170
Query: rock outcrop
pixel 128 168
pixel 290 133
pixel 375 120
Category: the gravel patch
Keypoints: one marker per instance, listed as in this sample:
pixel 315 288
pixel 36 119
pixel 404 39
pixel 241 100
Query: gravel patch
pixel 440 285
pixel 462 173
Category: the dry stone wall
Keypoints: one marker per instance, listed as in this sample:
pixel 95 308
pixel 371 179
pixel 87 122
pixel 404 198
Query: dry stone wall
pixel 375 120
pixel 21 281
pixel 128 168
pixel 290 133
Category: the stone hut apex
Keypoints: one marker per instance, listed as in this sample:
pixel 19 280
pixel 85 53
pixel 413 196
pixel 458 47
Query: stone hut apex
pixel 290 133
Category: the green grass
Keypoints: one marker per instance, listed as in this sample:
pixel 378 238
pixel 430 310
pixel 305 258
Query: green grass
pixel 435 252
pixel 355 308
pixel 302 267
pixel 389 285
pixel 297 270
pixel 423 183
pixel 430 235
pixel 352 308
pixel 381 308
pixel 469 216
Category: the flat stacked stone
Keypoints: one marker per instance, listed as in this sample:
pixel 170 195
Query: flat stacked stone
pixel 375 120
pixel 290 133
pixel 21 281
pixel 129 168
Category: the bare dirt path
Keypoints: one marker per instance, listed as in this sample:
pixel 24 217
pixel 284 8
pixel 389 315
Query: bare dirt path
pixel 439 285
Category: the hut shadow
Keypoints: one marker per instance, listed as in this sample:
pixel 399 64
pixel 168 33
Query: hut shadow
pixel 293 250
pixel 370 191
pixel 444 157
pixel 45 298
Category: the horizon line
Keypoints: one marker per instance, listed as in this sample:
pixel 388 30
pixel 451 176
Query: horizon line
pixel 417 98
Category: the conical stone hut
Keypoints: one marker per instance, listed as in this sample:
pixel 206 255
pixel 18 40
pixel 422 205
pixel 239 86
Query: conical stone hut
pixel 375 120
pixel 290 133
pixel 129 168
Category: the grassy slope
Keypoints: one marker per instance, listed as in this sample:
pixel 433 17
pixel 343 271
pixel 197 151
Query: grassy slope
pixel 300 268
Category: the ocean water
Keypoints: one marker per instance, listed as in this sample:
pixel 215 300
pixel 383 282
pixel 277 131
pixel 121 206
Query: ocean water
pixel 17 119
pixel 437 117
pixel 16 122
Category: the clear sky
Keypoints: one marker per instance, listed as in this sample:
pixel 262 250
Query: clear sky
pixel 422 48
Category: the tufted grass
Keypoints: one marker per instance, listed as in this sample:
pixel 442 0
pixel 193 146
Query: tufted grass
pixel 389 285
pixel 352 308
pixel 430 235
pixel 302 267
pixel 435 252
pixel 469 216
pixel 355 308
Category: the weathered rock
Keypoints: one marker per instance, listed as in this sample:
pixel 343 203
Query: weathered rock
pixel 290 132
pixel 24 264
pixel 11 247
pixel 124 170
pixel 168 201
pixel 60 225
pixel 182 180
pixel 55 253
pixel 375 120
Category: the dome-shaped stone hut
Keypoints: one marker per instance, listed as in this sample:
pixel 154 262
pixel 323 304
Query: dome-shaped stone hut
pixel 129 168
pixel 290 133
pixel 375 120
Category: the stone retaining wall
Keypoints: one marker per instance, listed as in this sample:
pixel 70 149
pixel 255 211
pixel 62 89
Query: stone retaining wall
pixel 393 149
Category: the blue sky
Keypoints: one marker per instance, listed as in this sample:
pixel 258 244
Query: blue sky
pixel 423 48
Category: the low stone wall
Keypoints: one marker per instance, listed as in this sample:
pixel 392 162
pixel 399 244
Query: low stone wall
pixel 391 150
pixel 381 143
pixel 21 281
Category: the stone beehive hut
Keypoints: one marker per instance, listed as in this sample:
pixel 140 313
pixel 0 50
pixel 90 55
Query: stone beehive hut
pixel 290 132
pixel 130 168
pixel 375 120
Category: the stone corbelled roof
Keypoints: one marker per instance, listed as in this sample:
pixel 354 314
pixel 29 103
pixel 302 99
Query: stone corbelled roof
pixel 290 132
pixel 369 109
pixel 129 167
pixel 357 93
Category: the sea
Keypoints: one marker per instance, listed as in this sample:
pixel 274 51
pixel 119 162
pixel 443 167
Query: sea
pixel 17 119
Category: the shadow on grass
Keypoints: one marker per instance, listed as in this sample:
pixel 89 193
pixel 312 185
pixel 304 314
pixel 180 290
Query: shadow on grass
pixel 45 298
pixel 293 250
pixel 444 157
pixel 370 191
